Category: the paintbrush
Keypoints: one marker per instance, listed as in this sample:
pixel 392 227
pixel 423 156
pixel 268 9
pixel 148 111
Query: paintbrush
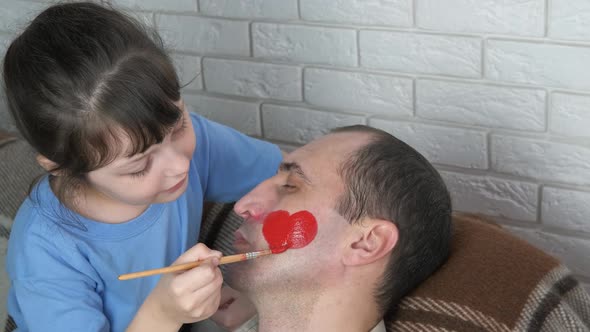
pixel 188 266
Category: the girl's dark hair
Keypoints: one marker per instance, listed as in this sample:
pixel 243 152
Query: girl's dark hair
pixel 82 74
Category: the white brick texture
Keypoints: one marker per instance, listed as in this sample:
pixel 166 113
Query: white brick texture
pixel 204 35
pixel 421 53
pixel 14 15
pixel 442 145
pixel 275 9
pixel 177 5
pixel 240 115
pixel 570 115
pixel 540 64
pixel 299 125
pixel 145 18
pixel 564 208
pixel 569 19
pixel 391 12
pixel 492 196
pixel 305 44
pixel 369 93
pixel 541 159
pixel 482 105
pixel 572 251
pixel 252 79
pixel 5 40
pixel 499 17
pixel 189 71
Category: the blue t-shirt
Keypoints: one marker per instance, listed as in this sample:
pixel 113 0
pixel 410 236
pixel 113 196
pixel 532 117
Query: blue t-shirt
pixel 64 267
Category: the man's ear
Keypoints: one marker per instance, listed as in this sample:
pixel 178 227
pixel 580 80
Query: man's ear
pixel 372 240
pixel 47 164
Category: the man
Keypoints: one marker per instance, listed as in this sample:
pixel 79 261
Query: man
pixel 384 218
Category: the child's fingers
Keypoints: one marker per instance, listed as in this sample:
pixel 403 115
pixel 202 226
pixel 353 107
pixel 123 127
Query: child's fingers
pixel 197 252
pixel 202 295
pixel 201 276
pixel 206 300
pixel 200 304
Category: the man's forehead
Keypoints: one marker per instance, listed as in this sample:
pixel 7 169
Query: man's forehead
pixel 326 153
pixel 332 145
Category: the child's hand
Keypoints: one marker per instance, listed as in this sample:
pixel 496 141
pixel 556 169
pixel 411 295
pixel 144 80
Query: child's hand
pixel 235 309
pixel 193 295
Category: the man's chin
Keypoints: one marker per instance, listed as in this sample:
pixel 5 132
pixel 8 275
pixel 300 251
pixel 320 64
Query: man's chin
pixel 242 276
pixel 235 279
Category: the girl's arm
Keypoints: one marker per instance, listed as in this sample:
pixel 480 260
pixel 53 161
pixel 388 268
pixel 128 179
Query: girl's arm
pixel 185 297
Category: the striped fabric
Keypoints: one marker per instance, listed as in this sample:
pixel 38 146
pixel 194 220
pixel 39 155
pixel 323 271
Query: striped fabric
pixel 558 303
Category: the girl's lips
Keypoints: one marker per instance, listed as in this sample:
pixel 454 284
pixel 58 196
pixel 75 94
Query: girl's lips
pixel 176 186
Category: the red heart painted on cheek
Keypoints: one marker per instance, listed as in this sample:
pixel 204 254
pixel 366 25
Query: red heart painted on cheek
pixel 283 232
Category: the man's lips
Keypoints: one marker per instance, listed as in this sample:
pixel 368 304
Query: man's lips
pixel 240 242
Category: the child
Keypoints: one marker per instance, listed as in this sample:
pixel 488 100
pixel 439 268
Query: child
pixel 129 169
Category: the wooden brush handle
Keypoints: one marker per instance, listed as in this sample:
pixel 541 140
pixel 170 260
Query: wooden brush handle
pixel 188 266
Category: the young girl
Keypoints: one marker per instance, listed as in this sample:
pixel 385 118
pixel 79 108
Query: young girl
pixel 129 169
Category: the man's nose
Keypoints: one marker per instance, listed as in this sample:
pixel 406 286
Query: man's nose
pixel 257 203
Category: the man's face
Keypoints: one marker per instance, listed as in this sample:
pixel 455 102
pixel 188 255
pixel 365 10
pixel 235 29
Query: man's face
pixel 308 180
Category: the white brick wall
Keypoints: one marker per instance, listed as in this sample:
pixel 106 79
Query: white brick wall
pixel 482 105
pixel 204 35
pixel 176 5
pixel 252 79
pixel 305 44
pixel 502 17
pixel 276 9
pixel 495 92
pixel 4 41
pixel 369 93
pixel 442 145
pixel 493 196
pixel 569 19
pixel 189 70
pixel 391 13
pixel 15 14
pixel 421 53
pixel 300 125
pixel 241 115
pixel 552 65
pixel 570 115
pixel 541 160
pixel 565 208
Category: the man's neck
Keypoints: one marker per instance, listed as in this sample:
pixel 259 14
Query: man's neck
pixel 315 311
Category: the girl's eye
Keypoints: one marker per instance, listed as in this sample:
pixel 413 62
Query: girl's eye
pixel 139 174
pixel 182 127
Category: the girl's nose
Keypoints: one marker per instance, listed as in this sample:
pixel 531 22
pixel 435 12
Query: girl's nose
pixel 175 163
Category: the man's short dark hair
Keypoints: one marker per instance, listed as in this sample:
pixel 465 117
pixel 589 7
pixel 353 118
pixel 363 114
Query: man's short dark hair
pixel 388 179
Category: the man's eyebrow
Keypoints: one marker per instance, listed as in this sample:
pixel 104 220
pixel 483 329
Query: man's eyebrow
pixel 294 167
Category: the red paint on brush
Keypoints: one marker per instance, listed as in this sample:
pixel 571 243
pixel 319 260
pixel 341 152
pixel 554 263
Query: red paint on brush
pixel 283 231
